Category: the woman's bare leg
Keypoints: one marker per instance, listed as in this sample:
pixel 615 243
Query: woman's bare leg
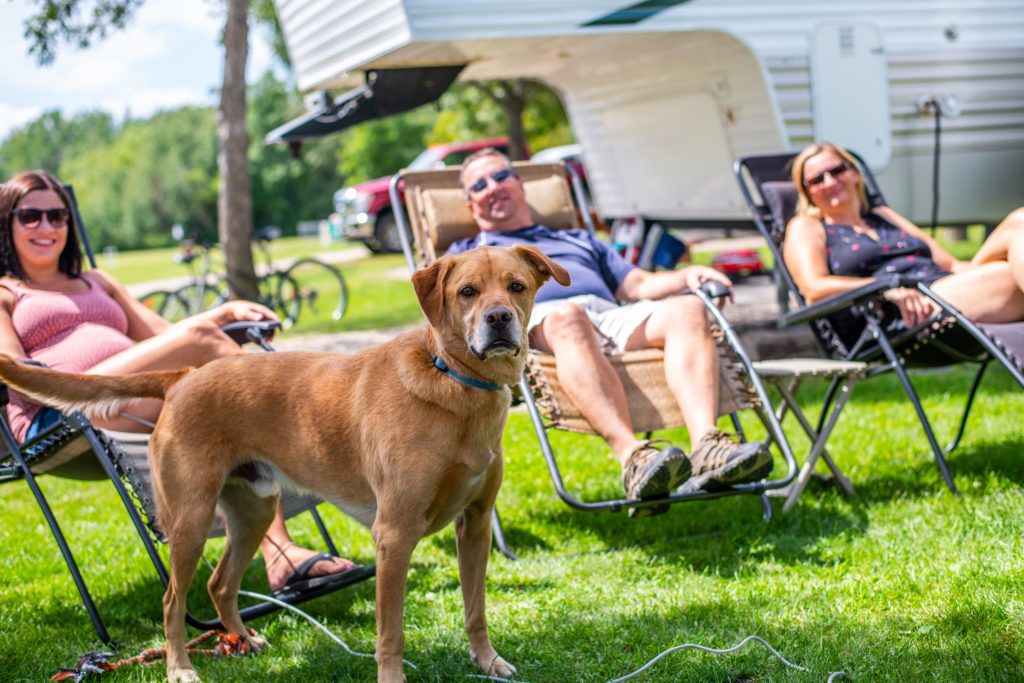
pixel 988 293
pixel 282 556
pixel 1006 243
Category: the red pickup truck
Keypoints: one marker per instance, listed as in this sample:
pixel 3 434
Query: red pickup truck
pixel 364 210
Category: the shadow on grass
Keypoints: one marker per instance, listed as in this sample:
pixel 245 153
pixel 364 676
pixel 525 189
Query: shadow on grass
pixel 718 536
pixel 973 466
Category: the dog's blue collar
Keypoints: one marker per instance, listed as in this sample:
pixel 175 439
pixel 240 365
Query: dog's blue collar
pixel 478 383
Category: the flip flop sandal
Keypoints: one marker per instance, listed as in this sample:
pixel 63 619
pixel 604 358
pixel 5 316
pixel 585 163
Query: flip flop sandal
pixel 300 582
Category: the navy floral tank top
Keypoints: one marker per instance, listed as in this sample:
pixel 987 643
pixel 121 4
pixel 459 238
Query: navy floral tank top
pixel 855 254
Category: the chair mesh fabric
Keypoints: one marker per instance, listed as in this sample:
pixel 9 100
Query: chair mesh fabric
pixel 652 406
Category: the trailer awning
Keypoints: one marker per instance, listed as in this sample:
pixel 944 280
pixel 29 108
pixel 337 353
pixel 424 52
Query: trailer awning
pixel 385 93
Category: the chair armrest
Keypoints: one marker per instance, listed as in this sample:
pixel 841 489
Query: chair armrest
pixel 840 302
pixel 258 331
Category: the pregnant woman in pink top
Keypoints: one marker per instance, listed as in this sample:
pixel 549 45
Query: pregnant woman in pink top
pixel 87 322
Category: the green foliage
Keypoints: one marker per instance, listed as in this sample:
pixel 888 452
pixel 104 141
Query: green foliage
pixel 70 21
pixel 286 190
pixel 50 140
pixel 156 173
pixel 136 179
pixel 382 147
pixel 467 112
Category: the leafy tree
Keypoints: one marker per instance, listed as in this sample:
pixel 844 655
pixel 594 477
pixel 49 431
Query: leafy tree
pixel 234 202
pixel 377 148
pixel 155 173
pixel 476 109
pixel 50 140
pixel 71 21
pixel 286 190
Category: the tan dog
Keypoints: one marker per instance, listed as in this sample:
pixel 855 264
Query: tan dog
pixel 387 436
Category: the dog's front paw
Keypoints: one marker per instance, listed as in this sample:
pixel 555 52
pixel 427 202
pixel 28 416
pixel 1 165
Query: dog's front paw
pixel 182 676
pixel 256 643
pixel 499 667
pixel 494 665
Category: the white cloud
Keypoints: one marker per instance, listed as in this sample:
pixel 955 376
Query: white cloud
pixel 169 55
pixel 12 117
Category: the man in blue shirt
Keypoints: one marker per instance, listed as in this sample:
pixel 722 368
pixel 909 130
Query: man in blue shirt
pixel 580 323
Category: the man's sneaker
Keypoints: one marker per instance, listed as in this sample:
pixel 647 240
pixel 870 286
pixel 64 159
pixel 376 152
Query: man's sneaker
pixel 653 469
pixel 719 462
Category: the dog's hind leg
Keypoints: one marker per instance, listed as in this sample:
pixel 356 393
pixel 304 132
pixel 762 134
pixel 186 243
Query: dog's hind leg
pixel 247 516
pixel 473 542
pixel 187 524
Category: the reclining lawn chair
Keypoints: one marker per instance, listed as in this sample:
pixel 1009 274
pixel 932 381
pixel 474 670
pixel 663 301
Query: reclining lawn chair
pixel 436 216
pixel 74 449
pixel 948 338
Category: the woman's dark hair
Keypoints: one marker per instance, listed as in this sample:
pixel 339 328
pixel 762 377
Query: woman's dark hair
pixel 11 192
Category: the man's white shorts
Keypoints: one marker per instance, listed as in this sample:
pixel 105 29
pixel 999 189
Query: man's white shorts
pixel 615 323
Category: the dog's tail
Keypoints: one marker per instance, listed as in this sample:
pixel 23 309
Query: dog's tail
pixel 95 395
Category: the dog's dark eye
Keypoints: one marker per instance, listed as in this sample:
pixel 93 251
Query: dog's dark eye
pixel 517 287
pixel 467 291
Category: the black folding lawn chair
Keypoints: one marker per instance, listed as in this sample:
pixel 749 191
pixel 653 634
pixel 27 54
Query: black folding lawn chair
pixel 74 449
pixel 434 215
pixel 948 338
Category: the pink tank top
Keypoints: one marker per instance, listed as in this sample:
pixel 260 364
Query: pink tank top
pixel 71 332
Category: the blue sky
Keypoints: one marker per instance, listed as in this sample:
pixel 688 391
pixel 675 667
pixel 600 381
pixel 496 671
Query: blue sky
pixel 168 56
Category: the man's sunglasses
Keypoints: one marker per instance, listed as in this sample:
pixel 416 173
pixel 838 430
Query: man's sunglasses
pixel 498 177
pixel 31 218
pixel 835 172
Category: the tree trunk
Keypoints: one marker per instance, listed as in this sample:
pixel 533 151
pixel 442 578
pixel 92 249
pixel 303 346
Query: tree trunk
pixel 511 97
pixel 513 104
pixel 234 199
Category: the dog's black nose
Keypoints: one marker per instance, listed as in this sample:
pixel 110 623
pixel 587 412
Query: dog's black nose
pixel 498 317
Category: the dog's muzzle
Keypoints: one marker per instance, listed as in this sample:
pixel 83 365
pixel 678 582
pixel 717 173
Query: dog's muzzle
pixel 497 333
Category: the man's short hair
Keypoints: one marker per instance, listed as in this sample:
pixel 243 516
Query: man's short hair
pixel 479 154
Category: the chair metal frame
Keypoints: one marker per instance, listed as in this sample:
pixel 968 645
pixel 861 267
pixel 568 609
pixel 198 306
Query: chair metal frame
pixel 926 345
pixel 762 406
pixel 18 460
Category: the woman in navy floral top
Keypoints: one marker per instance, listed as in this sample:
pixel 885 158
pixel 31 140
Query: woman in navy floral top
pixel 836 243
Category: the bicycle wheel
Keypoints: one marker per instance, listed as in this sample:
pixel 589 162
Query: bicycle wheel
pixel 156 300
pixel 198 299
pixel 280 294
pixel 319 289
pixel 177 306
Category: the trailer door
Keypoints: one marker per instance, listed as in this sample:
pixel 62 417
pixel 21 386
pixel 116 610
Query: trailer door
pixel 850 89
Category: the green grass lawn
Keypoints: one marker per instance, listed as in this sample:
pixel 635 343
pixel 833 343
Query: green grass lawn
pixel 903 582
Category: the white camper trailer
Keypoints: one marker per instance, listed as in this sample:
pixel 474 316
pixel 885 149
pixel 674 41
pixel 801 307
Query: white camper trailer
pixel 663 96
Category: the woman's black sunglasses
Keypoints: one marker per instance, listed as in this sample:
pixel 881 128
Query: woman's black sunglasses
pixel 835 172
pixel 30 218
pixel 498 176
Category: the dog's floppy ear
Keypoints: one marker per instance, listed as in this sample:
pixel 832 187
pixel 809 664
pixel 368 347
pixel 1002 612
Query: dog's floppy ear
pixel 429 285
pixel 542 264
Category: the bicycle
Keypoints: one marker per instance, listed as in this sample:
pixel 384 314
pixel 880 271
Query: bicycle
pixel 297 291
pixel 203 291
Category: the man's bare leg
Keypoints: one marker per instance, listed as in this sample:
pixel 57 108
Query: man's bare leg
pixel 587 376
pixel 679 325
